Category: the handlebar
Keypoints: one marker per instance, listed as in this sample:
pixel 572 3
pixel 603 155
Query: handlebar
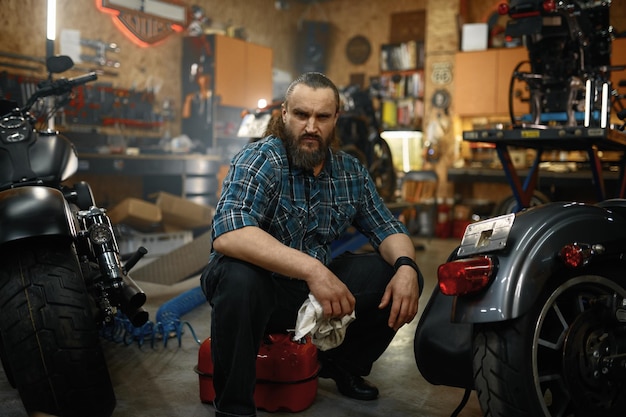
pixel 58 87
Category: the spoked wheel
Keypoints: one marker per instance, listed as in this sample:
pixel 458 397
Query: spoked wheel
pixel 50 343
pixel 509 204
pixel 356 152
pixel 382 170
pixel 560 359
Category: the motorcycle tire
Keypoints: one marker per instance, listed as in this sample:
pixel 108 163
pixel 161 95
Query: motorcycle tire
pixel 547 363
pixel 509 204
pixel 50 341
pixel 382 170
pixel 5 365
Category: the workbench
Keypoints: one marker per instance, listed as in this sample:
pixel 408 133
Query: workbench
pixel 591 140
pixel 193 176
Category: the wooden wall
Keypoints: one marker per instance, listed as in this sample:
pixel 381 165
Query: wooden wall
pixel 23 25
pixel 22 30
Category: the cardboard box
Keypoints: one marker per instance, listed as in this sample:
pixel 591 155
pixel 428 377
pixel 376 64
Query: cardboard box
pixel 180 213
pixel 474 37
pixel 181 263
pixel 136 213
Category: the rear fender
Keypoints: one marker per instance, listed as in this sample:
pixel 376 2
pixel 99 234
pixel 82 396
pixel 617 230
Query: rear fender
pixel 34 211
pixel 530 258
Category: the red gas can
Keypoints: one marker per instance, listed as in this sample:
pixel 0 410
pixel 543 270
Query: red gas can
pixel 286 373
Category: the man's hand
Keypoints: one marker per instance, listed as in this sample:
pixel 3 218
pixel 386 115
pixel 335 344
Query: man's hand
pixel 256 246
pixel 403 293
pixel 332 294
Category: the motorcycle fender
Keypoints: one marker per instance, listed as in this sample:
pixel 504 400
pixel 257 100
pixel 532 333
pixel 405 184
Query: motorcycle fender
pixel 530 257
pixel 34 211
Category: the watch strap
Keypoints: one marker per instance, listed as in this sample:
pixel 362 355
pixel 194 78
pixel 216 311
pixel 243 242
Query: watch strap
pixel 405 260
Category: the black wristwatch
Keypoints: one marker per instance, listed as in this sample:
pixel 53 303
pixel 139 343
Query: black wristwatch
pixel 405 260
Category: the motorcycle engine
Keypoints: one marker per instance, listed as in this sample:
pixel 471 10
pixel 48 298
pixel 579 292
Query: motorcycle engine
pixel 567 42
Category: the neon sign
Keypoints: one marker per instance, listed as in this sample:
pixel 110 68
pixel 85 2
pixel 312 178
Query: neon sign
pixel 146 22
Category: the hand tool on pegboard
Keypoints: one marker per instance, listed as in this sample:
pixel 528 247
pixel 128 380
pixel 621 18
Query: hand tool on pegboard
pixel 101 48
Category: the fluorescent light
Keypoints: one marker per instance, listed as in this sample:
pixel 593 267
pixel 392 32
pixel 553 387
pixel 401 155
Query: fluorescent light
pixel 127 4
pixel 52 20
pixel 588 97
pixel 165 10
pixel 401 134
pixel 604 116
pixel 406 154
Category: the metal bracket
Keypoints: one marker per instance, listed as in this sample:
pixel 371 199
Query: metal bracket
pixel 101 49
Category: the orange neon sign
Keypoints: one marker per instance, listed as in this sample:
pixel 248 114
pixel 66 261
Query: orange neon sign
pixel 146 22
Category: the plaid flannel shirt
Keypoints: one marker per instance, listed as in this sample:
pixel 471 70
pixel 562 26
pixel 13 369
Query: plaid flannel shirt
pixel 302 211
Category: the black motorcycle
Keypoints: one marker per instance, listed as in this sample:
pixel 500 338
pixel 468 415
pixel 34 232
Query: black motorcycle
pixel 62 278
pixel 530 310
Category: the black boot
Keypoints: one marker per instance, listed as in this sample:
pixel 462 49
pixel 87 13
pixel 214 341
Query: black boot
pixel 353 386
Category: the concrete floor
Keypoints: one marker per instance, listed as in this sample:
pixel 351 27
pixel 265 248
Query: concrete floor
pixel 160 381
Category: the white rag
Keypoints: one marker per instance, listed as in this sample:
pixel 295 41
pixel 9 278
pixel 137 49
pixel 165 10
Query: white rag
pixel 325 333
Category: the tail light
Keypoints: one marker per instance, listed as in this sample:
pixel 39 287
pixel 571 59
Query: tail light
pixel 576 255
pixel 465 276
pixel 549 6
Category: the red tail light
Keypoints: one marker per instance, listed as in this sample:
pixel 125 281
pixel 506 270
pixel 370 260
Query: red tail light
pixel 572 256
pixel 576 255
pixel 465 276
pixel 549 6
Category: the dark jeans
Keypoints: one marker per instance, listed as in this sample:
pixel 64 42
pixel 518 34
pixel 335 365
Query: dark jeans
pixel 249 301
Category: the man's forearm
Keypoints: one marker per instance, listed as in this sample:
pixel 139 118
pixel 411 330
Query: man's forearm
pixel 254 245
pixel 395 246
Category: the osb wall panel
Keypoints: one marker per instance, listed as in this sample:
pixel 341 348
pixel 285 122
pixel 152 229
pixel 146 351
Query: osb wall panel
pixel 23 27
pixel 22 31
pixel 349 18
pixel 158 66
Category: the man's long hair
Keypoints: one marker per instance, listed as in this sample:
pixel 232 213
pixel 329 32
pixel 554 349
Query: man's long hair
pixel 315 80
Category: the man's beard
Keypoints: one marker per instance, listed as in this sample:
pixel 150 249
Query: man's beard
pixel 302 155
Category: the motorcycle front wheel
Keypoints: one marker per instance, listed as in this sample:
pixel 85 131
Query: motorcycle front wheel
pixel 51 349
pixel 549 362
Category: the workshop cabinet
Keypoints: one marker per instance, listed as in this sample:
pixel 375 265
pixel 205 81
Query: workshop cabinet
pixel 221 76
pixel 240 71
pixel 482 78
pixel 618 58
pixel 243 72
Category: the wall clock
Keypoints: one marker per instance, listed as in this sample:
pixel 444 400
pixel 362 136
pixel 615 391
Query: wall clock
pixel 441 99
pixel 358 49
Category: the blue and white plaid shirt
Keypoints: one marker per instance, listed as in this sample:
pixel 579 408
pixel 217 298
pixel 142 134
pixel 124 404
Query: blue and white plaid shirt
pixel 302 211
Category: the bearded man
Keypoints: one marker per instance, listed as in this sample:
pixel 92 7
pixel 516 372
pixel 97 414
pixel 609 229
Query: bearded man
pixel 285 199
